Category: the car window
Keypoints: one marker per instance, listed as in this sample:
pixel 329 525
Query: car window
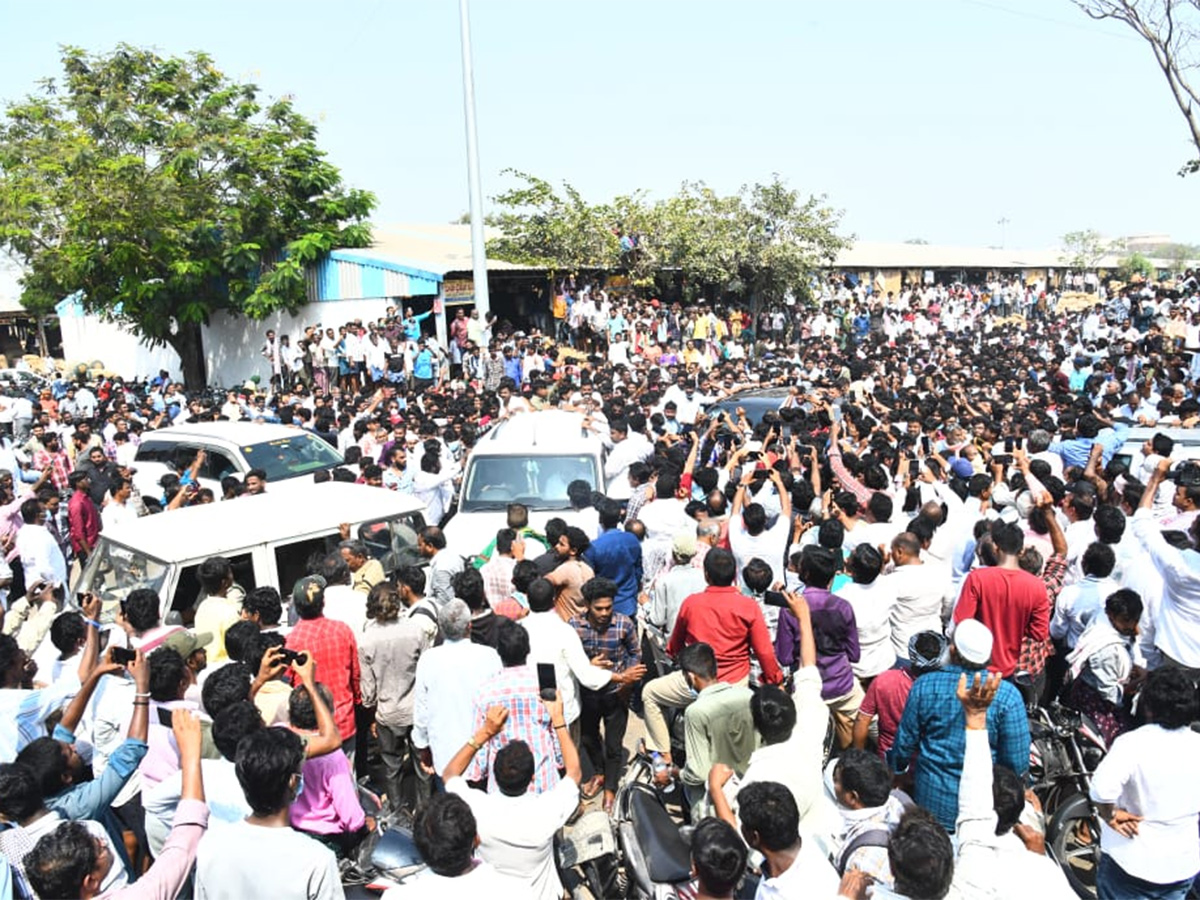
pixel 115 570
pixel 187 592
pixel 291 560
pixel 154 451
pixel 299 454
pixel 217 464
pixel 393 541
pixel 540 482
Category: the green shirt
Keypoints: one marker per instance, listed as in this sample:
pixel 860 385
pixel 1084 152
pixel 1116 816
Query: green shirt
pixel 719 729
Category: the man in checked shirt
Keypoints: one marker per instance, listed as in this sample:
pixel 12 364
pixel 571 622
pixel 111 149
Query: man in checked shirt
pixel 610 640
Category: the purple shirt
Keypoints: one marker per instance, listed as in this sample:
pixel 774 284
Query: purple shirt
pixel 836 636
pixel 329 803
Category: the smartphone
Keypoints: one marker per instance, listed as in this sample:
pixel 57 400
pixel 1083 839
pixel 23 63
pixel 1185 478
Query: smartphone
pixel 775 598
pixel 547 680
pixel 1008 445
pixel 164 717
pixel 926 446
pixel 1003 460
pixel 123 656
pixel 1018 442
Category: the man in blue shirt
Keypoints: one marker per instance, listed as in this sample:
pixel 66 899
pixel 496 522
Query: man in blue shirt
pixel 1076 451
pixel 932 725
pixel 412 324
pixel 423 367
pixel 616 555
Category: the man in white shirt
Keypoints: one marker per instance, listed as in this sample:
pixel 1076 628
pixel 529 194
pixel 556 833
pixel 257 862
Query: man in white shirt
pixel 1148 798
pixel 118 511
pixel 447 680
pixel 624 449
pixel 39 551
pixel 749 536
pixel 516 826
pixel 229 863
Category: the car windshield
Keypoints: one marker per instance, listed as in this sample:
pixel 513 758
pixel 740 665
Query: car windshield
pixel 540 482
pixel 299 454
pixel 114 570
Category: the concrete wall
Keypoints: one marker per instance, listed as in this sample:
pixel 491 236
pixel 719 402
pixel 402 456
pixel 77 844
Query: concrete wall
pixel 232 344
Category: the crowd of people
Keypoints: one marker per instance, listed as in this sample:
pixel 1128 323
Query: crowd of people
pixel 828 619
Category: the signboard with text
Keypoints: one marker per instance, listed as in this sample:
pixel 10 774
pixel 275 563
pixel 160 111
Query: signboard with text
pixel 458 289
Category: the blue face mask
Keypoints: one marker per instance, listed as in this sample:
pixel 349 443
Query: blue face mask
pixel 300 784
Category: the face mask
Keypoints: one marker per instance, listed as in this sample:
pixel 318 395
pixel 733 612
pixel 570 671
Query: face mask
pixel 692 690
pixel 300 784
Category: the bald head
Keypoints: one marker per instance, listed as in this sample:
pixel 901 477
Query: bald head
pixel 932 511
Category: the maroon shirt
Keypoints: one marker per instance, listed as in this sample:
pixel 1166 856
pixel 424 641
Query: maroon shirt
pixel 84 521
pixel 886 698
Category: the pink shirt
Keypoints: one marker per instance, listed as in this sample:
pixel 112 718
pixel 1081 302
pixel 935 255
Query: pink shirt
pixel 329 803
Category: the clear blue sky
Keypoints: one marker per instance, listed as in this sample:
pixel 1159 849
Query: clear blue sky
pixel 931 118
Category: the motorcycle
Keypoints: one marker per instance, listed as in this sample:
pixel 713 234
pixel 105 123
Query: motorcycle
pixel 1065 748
pixel 656 851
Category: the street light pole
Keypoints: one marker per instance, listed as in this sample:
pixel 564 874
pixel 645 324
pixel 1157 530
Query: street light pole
pixel 478 251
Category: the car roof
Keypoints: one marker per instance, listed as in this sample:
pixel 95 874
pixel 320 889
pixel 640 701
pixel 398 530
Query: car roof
pixel 214 528
pixel 1142 433
pixel 538 431
pixel 232 432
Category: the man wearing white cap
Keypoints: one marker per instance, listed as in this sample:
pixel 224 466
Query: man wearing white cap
pixel 932 725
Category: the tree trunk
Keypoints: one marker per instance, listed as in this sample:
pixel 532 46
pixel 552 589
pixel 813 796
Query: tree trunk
pixel 189 344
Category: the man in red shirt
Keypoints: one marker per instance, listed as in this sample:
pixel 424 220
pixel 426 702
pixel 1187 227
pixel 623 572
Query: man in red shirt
pixel 335 650
pixel 729 622
pixel 82 517
pixel 1012 603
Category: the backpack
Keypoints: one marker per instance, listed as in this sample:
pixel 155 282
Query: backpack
pixel 429 614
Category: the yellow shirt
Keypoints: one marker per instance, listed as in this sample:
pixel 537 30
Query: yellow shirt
pixel 369 575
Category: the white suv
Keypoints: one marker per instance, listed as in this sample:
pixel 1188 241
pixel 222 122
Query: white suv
pixel 530 459
pixel 232 448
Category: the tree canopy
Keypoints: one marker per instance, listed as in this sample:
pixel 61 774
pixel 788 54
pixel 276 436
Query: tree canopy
pixel 761 242
pixel 1082 250
pixel 162 191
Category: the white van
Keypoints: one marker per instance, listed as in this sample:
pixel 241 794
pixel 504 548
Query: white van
pixel 529 458
pixel 268 539
pixel 232 448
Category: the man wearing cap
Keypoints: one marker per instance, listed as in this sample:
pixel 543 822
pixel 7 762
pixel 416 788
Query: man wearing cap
pixel 932 725
pixel 676 584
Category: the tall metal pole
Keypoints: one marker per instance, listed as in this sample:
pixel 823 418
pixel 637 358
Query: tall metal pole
pixel 478 251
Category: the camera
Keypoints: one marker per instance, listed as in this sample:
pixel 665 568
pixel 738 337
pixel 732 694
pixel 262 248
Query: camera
pixel 287 657
pixel 1186 474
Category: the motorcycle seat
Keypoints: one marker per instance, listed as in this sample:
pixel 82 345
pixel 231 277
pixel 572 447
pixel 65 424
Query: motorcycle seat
pixel 668 855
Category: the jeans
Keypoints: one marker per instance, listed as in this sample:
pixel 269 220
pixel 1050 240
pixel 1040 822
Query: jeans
pixel 401 768
pixel 606 755
pixel 1114 883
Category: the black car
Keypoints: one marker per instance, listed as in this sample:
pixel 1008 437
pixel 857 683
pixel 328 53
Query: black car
pixel 757 402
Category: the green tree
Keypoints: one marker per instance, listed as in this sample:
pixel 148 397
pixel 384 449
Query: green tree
pixel 1082 250
pixel 161 191
pixel 1136 264
pixel 761 242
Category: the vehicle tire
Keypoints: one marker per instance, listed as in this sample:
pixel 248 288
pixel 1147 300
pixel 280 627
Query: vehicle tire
pixel 1073 837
